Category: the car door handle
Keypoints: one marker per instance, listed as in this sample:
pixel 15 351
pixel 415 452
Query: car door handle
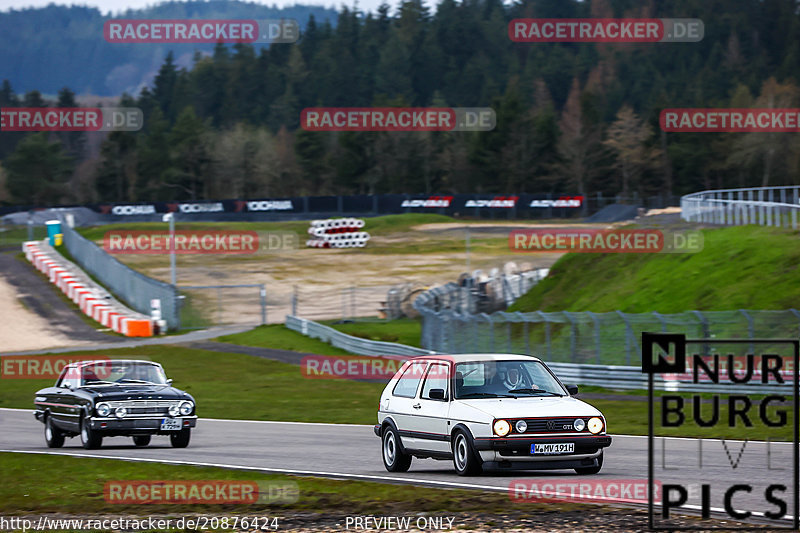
pixel 416 406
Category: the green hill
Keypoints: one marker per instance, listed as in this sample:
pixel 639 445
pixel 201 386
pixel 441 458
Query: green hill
pixel 747 267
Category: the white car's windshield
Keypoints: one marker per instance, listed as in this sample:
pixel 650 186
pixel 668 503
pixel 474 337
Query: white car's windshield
pixel 121 372
pixel 498 379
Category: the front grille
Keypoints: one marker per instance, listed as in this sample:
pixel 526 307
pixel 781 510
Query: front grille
pixel 549 425
pixel 144 407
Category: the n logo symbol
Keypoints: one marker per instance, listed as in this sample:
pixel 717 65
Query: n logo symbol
pixel 664 346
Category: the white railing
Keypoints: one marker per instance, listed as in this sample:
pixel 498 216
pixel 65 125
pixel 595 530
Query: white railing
pixel 765 206
pixel 611 376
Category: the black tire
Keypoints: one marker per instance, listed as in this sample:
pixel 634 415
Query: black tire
pixel 394 459
pixel 90 439
pixel 465 459
pixel 180 439
pixel 141 440
pixel 589 470
pixel 52 435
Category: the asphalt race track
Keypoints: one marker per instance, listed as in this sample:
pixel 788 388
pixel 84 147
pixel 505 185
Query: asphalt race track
pixel 353 452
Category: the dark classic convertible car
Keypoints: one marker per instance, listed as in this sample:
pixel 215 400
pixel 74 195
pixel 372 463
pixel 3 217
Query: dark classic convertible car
pixel 109 398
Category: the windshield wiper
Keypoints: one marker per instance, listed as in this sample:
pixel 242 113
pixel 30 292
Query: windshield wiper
pixel 536 391
pixel 100 382
pixel 484 395
pixel 126 380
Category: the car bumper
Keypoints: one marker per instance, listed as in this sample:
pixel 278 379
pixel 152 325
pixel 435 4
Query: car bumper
pixel 377 429
pixel 138 425
pixel 518 450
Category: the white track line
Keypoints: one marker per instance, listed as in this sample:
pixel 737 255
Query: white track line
pixel 347 476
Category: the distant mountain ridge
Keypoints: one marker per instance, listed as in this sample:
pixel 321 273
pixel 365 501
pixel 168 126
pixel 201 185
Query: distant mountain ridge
pixel 56 46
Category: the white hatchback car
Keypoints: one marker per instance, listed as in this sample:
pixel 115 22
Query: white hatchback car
pixel 487 410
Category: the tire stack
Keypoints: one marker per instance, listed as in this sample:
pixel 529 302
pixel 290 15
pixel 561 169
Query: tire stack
pixel 337 233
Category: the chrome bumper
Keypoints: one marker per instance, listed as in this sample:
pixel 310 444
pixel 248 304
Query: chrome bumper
pixel 152 423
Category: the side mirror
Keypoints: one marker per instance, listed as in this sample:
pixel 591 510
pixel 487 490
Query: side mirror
pixel 572 390
pixel 437 394
pixel 169 382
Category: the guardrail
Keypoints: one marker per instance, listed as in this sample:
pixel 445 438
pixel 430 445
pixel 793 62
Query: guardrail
pixel 133 288
pixel 765 206
pixel 355 345
pixel 608 376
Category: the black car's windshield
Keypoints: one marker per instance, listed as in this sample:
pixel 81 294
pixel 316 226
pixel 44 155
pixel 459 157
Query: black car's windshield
pixel 499 379
pixel 121 372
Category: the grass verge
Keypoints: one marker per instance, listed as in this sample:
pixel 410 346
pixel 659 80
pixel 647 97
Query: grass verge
pixel 728 274
pixel 280 337
pixel 78 489
pixel 402 331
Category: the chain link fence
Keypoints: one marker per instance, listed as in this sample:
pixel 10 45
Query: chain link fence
pixel 592 338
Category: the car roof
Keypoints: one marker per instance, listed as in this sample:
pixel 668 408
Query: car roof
pixel 478 357
pixel 104 361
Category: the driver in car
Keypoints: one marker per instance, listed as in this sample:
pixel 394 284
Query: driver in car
pixel 502 379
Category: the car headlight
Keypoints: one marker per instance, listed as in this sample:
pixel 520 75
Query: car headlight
pixel 579 424
pixel 174 410
pixel 186 408
pixel 521 426
pixel 102 409
pixel 501 427
pixel 120 412
pixel 595 425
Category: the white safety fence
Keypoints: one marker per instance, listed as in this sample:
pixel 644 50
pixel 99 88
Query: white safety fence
pixel 765 206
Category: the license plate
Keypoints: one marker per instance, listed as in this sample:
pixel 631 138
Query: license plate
pixel 552 448
pixel 170 424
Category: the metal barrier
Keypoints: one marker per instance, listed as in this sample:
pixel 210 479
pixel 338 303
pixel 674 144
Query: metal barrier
pixel 765 206
pixel 349 343
pixel 620 377
pixel 132 288
pixel 591 338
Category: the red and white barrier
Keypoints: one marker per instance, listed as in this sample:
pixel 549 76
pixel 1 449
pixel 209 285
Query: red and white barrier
pixel 92 299
pixel 337 233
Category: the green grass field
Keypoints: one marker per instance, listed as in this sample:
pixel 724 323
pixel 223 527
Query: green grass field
pixel 73 485
pixel 403 331
pixel 746 267
pixel 281 338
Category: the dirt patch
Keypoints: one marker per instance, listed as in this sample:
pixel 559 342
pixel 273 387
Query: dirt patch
pixel 327 284
pixel 22 329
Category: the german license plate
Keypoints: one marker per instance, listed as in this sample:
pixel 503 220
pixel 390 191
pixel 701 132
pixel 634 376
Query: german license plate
pixel 170 424
pixel 552 448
